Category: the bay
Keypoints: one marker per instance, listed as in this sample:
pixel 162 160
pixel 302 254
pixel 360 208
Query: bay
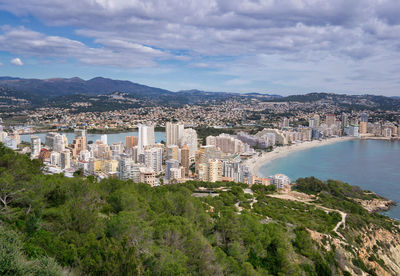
pixel 371 164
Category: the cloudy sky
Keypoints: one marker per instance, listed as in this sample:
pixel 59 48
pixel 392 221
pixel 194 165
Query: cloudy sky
pixel 268 46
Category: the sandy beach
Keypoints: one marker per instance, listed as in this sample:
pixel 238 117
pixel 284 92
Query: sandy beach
pixel 257 161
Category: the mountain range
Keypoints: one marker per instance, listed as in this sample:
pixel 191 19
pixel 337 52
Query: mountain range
pixel 99 93
pixel 97 86
pixel 62 86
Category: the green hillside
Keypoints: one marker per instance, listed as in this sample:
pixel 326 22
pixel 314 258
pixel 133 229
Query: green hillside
pixel 50 225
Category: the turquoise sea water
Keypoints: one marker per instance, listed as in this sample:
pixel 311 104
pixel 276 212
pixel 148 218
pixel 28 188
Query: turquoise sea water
pixel 111 138
pixel 371 164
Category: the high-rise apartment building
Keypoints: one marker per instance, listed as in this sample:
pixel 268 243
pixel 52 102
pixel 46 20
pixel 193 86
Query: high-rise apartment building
pixel 211 171
pixel 131 141
pixel 312 122
pixel 233 169
pixel 50 139
pixel 103 139
pixel 330 119
pixel 344 120
pixel 363 123
pixel 153 159
pixel 176 173
pixel 125 166
pixel 117 149
pixel 65 159
pixel 84 155
pixel 204 154
pixel 102 151
pixel 3 135
pixel 59 143
pixel 146 137
pixel 173 152
pixel 227 143
pixel 185 158
pixel 189 139
pixel 169 164
pixel 174 133
pixel 285 122
pixel 55 159
pixel 78 144
pixel 214 170
pixel 35 146
pixel 317 120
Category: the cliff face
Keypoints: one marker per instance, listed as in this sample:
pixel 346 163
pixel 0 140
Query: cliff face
pixel 381 250
pixel 377 252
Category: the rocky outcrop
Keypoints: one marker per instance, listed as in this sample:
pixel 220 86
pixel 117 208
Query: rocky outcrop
pixel 376 205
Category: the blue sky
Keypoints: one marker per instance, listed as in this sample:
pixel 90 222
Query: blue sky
pixel 268 46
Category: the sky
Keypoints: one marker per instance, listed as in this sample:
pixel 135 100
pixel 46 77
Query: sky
pixel 266 46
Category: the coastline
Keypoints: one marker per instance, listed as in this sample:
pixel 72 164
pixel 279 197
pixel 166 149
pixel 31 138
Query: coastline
pixel 257 161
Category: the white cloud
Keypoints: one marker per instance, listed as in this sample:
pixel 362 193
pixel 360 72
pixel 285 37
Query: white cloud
pixel 309 42
pixel 1 64
pixel 238 82
pixel 124 54
pixel 17 61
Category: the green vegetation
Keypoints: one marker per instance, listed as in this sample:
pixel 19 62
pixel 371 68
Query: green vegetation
pixel 312 185
pixel 53 225
pixel 14 262
pixel 297 213
pixel 338 195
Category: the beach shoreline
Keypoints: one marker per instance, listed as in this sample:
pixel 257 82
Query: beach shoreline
pixel 257 161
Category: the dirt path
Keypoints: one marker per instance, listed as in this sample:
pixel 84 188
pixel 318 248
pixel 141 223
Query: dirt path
pixel 295 196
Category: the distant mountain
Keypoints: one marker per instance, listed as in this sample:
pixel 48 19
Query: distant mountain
pixel 256 94
pixel 352 101
pixel 96 86
pixel 195 92
pixel 56 91
pixel 8 78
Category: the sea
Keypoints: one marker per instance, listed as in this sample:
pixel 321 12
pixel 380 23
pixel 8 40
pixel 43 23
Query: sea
pixel 111 138
pixel 371 164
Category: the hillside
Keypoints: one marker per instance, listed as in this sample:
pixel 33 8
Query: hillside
pixel 57 92
pixel 53 225
pixel 62 92
pixel 96 86
pixel 360 102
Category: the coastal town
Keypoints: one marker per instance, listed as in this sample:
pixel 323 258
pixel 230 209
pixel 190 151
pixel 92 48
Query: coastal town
pixel 249 138
pixel 179 155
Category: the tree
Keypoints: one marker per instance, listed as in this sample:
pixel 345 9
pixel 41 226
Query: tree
pixel 9 189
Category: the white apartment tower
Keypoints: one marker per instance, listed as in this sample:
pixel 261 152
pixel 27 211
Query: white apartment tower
pixel 103 139
pixel 125 167
pixel 174 133
pixel 35 146
pixel 285 122
pixel 65 159
pixel 146 137
pixel 189 139
pixel 153 159
pixel 55 159
pixel 59 143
